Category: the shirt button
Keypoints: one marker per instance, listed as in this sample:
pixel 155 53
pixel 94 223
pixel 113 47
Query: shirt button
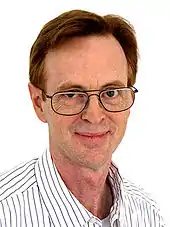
pixel 94 220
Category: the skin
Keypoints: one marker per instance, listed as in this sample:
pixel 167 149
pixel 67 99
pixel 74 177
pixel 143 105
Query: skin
pixel 82 161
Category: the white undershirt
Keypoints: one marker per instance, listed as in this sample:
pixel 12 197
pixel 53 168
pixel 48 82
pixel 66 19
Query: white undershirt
pixel 106 222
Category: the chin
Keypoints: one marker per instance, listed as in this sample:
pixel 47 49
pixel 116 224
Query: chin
pixel 93 158
pixel 97 165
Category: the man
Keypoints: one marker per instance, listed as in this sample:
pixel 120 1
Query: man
pixel 82 71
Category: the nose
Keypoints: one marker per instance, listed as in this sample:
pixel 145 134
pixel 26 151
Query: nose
pixel 94 112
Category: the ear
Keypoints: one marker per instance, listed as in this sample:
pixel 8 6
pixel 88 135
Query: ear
pixel 37 101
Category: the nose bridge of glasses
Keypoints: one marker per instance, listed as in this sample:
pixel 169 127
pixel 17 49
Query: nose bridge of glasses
pixel 92 95
pixel 90 101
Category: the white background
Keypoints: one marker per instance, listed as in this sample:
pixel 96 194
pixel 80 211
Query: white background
pixel 143 155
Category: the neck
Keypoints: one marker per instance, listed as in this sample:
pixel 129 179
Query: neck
pixel 88 186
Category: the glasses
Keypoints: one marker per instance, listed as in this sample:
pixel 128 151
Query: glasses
pixel 73 102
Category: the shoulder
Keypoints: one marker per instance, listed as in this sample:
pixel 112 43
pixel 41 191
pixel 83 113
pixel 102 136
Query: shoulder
pixel 136 192
pixel 140 201
pixel 17 179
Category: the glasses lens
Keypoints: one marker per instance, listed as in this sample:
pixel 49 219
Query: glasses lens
pixel 69 103
pixel 117 99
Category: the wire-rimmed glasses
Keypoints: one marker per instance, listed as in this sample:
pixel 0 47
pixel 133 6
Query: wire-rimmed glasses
pixel 73 102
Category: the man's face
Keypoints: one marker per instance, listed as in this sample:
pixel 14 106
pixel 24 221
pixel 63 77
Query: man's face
pixel 89 138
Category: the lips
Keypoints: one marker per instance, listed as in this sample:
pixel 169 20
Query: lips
pixel 92 140
pixel 90 134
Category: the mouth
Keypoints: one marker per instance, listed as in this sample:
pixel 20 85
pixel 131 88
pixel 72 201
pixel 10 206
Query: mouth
pixel 92 137
pixel 89 134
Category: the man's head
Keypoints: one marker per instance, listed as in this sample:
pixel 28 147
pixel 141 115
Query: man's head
pixel 83 51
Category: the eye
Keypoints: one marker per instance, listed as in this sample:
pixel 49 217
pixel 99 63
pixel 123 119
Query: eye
pixel 110 93
pixel 73 96
pixel 69 95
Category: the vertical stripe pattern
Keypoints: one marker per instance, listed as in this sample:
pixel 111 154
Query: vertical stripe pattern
pixel 34 195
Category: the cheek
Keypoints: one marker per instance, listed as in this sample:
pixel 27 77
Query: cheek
pixel 62 124
pixel 59 125
pixel 120 119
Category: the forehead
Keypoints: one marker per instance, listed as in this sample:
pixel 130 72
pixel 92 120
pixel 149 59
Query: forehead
pixel 91 62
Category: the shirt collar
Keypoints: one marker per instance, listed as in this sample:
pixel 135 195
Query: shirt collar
pixel 61 205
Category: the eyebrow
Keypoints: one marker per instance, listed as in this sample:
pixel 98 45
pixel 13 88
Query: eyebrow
pixel 70 85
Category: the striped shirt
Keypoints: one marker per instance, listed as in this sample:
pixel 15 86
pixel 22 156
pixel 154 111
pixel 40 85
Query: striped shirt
pixel 33 195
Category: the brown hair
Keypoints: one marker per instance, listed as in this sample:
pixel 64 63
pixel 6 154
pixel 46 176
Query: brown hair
pixel 81 23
